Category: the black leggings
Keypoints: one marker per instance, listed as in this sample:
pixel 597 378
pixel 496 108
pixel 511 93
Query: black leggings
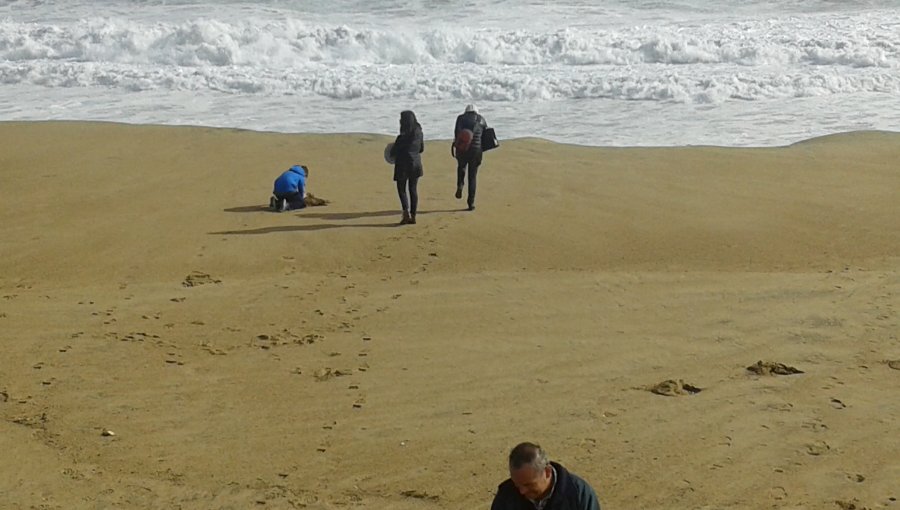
pixel 409 204
pixel 472 161
pixel 295 200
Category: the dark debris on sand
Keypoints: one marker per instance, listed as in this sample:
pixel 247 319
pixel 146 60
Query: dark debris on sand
pixel 313 201
pixel 773 368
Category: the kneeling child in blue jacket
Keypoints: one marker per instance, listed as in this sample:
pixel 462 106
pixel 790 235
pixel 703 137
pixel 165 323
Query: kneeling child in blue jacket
pixel 290 189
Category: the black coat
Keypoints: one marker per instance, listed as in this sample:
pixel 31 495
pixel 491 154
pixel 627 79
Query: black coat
pixel 408 148
pixel 474 122
pixel 571 493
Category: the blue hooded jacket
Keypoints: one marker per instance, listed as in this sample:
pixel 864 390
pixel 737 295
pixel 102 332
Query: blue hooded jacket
pixel 293 180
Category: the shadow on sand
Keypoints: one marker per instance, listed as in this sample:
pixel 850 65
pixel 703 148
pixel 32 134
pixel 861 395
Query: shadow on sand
pixel 249 208
pixel 324 216
pixel 303 228
pixel 336 215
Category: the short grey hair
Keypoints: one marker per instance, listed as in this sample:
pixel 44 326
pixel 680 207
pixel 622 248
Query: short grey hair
pixel 528 454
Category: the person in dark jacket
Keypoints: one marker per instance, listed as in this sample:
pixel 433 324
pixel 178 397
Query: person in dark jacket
pixel 536 483
pixel 406 154
pixel 466 148
pixel 289 189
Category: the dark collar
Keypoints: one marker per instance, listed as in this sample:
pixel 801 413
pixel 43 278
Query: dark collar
pixel 562 484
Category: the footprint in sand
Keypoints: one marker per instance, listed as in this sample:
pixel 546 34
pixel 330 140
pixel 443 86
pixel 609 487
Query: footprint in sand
pixel 852 504
pixel 417 494
pixel 36 421
pixel 778 493
pixel 212 350
pixel 772 368
pixel 815 426
pixel 674 388
pixel 287 337
pixel 198 278
pixel 324 374
pixel 894 363
pixel 172 360
pixel 817 448
pixel 136 337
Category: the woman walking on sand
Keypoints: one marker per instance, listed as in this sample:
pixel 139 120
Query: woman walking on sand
pixel 406 154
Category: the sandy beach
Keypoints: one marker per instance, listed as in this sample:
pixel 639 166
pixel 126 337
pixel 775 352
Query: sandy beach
pixel 166 342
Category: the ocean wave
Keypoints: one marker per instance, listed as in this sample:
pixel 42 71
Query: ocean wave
pixel 464 82
pixel 854 41
pixel 701 63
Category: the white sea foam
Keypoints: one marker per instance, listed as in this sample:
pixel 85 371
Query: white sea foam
pixel 857 41
pixel 710 58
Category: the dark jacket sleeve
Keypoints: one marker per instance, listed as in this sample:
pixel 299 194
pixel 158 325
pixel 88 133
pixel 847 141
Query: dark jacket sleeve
pixel 587 498
pixel 504 499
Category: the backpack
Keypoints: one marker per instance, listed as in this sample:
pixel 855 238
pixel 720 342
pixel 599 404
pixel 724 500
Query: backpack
pixel 463 140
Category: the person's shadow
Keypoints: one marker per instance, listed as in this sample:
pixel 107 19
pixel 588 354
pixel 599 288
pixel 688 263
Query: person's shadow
pixel 306 213
pixel 249 208
pixel 349 215
pixel 323 216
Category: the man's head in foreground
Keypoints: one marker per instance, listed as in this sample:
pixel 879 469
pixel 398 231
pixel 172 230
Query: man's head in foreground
pixel 530 471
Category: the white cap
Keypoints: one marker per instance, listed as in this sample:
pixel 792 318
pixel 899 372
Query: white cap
pixel 471 108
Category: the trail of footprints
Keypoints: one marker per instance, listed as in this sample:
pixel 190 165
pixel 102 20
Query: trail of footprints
pixel 334 367
pixel 816 446
pixel 329 373
pixel 348 372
